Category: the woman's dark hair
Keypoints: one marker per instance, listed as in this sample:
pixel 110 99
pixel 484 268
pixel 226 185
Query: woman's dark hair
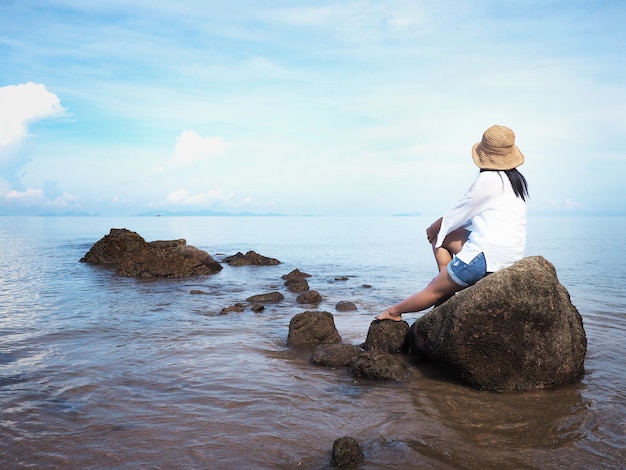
pixel 518 182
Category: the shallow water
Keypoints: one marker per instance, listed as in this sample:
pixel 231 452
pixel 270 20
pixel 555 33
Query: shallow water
pixel 98 371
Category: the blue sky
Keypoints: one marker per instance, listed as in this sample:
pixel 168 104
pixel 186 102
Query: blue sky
pixel 306 107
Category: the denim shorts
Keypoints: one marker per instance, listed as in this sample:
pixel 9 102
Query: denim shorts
pixel 467 274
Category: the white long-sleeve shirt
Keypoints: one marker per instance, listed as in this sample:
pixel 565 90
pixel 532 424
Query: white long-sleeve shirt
pixel 496 219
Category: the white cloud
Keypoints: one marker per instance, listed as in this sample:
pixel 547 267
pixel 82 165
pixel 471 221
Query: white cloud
pixel 21 105
pixel 192 148
pixel 32 197
pixel 183 197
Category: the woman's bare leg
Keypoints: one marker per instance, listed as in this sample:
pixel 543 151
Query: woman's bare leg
pixel 451 245
pixel 441 286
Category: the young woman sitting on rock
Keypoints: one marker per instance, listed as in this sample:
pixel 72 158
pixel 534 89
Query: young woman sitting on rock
pixel 484 232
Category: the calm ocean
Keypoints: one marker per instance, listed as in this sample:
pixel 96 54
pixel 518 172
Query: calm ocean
pixel 98 371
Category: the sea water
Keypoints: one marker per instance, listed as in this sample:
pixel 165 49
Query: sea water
pixel 101 371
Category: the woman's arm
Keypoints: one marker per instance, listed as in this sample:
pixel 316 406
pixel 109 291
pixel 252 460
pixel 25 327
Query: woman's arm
pixel 433 230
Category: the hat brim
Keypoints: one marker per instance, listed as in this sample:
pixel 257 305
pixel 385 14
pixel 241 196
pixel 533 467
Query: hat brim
pixel 486 161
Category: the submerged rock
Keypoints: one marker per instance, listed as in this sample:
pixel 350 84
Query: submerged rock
pixel 133 256
pixel 270 297
pixel 514 330
pixel 312 328
pixel 345 306
pixel 311 297
pixel 334 355
pixel 250 258
pixel 236 308
pixel 379 365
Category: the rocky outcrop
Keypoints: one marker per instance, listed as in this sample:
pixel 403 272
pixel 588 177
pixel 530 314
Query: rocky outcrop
pixel 133 256
pixel 312 328
pixel 250 258
pixel 514 330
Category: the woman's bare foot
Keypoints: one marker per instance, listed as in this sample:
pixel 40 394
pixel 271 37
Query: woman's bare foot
pixel 386 315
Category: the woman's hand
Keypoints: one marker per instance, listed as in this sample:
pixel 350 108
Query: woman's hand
pixel 433 230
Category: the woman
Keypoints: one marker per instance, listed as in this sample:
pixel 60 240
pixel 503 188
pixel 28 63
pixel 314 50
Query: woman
pixel 484 232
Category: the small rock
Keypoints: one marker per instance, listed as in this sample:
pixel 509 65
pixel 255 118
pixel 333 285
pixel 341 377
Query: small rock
pixel 295 274
pixel 197 292
pixel 297 285
pixel 345 306
pixel 347 452
pixel 237 308
pixel 266 298
pixel 312 328
pixel 258 308
pixel 311 297
pixel 386 335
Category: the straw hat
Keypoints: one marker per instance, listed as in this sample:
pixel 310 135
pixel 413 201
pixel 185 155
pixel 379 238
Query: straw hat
pixel 497 150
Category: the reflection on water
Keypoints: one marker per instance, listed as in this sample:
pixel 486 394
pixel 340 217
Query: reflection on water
pixel 98 371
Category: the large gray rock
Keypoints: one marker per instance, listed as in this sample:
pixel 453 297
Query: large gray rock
pixel 133 256
pixel 513 330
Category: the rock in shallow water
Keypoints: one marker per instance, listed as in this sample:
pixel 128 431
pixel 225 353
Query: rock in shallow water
pixel 516 329
pixel 379 365
pixel 334 355
pixel 134 257
pixel 347 452
pixel 311 329
pixel 311 297
pixel 250 258
pixel 389 336
pixel 345 306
